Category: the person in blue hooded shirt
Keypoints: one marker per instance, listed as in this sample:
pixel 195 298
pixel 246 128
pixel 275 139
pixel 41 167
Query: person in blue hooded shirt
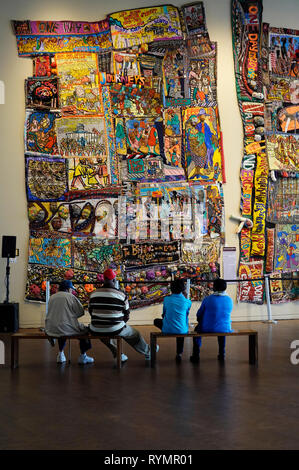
pixel 214 316
pixel 175 315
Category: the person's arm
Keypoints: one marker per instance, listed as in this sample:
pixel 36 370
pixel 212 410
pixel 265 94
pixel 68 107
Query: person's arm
pixel 78 310
pixel 164 309
pixel 231 308
pixel 188 308
pixel 126 310
pixel 78 307
pixel 201 310
pixel 200 313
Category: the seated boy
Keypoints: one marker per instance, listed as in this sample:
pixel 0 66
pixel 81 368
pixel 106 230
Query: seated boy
pixel 175 315
pixel 214 316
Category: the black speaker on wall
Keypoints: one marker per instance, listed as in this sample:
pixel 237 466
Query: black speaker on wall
pixel 9 246
pixel 9 317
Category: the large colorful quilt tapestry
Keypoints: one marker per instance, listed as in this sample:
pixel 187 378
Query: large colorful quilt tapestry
pixel 267 82
pixel 123 152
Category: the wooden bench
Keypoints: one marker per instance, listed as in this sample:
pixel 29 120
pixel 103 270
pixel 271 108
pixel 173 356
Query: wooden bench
pixel 252 336
pixel 36 333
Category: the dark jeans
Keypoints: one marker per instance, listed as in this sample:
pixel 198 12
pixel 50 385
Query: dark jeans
pixel 158 322
pixel 197 345
pixel 85 344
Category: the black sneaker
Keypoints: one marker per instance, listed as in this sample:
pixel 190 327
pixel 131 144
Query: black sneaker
pixel 221 358
pixel 194 359
pixel 178 358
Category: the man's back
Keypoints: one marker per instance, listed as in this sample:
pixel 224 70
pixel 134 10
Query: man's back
pixel 109 310
pixel 64 309
pixel 215 313
pixel 175 310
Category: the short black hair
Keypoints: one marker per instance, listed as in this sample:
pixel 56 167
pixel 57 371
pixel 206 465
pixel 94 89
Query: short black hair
pixel 219 285
pixel 177 286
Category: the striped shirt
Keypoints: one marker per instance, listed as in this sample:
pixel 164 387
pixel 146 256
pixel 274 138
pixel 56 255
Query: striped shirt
pixel 109 310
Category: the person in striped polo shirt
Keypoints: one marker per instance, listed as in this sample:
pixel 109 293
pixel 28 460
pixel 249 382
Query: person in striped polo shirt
pixel 109 310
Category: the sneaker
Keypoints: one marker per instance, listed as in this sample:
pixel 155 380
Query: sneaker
pixel 194 359
pixel 178 358
pixel 84 359
pixel 61 358
pixel 148 356
pixel 221 358
pixel 124 358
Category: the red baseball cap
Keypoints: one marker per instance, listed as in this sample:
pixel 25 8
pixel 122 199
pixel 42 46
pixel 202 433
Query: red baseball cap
pixel 109 274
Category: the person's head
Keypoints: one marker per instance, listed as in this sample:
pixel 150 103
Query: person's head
pixel 109 277
pixel 219 285
pixel 177 286
pixel 66 286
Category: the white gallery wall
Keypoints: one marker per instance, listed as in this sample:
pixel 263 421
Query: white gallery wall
pixel 13 71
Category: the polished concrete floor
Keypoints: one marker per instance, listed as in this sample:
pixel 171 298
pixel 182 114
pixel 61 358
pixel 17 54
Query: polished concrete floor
pixel 176 406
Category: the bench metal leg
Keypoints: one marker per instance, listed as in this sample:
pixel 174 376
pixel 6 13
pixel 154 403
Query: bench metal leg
pixel 14 358
pixel 253 349
pixel 153 350
pixel 118 353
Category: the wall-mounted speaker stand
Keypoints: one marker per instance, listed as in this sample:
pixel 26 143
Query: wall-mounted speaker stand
pixel 8 251
pixel 6 301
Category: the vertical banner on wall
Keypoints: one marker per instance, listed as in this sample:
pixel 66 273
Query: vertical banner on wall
pixel 251 291
pixel 245 245
pixel 270 250
pixel 259 208
pixel 247 185
pixel 246 26
pixel 276 288
pixel 264 60
pixel 266 73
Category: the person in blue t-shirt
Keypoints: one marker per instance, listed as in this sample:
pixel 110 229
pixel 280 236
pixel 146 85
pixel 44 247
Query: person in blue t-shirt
pixel 213 316
pixel 175 315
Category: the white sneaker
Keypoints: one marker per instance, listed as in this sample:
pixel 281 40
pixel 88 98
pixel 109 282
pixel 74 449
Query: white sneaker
pixel 84 359
pixel 61 358
pixel 124 358
pixel 148 356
